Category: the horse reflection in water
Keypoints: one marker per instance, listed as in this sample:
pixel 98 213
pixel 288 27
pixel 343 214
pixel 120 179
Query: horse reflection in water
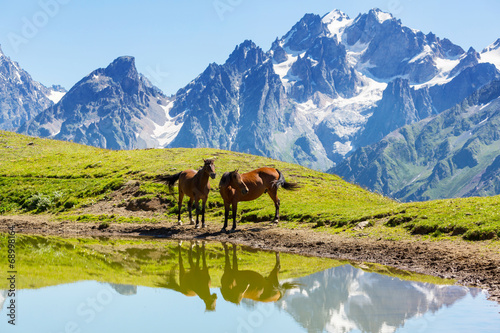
pixel 196 280
pixel 236 284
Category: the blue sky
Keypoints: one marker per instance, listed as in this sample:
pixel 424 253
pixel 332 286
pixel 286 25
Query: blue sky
pixel 61 41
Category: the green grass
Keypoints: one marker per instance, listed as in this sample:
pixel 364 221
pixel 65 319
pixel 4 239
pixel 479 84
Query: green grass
pixel 60 178
pixel 46 261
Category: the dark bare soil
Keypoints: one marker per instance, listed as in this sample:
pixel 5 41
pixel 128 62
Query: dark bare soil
pixel 471 264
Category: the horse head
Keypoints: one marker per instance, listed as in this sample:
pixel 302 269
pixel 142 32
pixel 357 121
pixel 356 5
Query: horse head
pixel 209 167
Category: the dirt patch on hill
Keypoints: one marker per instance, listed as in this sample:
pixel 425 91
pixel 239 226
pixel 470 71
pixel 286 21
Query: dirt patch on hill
pixel 471 264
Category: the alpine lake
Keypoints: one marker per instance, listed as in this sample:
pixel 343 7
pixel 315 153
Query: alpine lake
pixel 156 285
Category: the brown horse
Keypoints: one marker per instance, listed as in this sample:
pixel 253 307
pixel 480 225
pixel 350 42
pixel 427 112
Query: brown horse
pixel 195 280
pixel 238 284
pixel 196 185
pixel 235 187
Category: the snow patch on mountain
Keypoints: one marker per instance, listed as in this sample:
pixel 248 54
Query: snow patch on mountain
pixel 491 54
pixel 336 21
pixel 283 69
pixel 444 67
pixel 367 95
pixel 53 127
pixel 382 16
pixel 166 132
pixel 55 96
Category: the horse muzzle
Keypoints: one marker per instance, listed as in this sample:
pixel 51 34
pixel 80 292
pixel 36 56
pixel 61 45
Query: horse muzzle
pixel 244 191
pixel 212 175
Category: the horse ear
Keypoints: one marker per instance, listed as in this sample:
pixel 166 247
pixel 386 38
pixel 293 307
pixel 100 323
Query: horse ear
pixel 236 170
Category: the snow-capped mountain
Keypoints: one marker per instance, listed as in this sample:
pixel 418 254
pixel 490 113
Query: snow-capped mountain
pixel 21 97
pixel 113 107
pixel 327 87
pixel 453 154
pixel 345 299
pixel 491 54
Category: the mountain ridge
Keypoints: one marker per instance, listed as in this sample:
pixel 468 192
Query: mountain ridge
pixel 21 97
pixel 452 154
pixel 328 87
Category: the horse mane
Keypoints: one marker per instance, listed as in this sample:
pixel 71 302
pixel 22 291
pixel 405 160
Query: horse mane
pixel 225 179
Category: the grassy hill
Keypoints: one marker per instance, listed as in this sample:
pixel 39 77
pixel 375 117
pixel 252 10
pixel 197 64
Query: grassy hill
pixel 62 178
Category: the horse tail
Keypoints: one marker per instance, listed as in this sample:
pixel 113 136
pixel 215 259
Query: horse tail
pixel 168 179
pixel 283 183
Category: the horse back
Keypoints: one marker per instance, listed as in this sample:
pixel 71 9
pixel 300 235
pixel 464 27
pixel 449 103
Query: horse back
pixel 266 175
pixel 187 175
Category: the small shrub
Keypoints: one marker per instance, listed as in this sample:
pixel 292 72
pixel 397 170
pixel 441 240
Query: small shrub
pixel 397 220
pixel 39 202
pixel 103 225
pixel 423 229
pixel 70 203
pixel 479 234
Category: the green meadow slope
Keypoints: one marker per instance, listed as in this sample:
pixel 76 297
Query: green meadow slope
pixel 41 176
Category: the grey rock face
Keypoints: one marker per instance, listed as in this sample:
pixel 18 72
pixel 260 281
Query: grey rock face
pixel 21 97
pixel 104 109
pixel 448 155
pixel 400 105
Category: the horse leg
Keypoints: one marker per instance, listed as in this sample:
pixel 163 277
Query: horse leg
pixel 197 203
pixel 190 208
pixel 273 276
pixel 226 215
pixel 235 258
pixel 235 209
pixel 273 193
pixel 203 204
pixel 181 196
pixel 203 256
pixel 181 266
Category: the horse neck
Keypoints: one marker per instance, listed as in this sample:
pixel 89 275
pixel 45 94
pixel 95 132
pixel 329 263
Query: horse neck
pixel 202 178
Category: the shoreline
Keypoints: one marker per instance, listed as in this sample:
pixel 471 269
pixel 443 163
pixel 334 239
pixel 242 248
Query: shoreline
pixel 472 264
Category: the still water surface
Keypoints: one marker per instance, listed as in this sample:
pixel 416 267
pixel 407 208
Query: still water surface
pixel 225 288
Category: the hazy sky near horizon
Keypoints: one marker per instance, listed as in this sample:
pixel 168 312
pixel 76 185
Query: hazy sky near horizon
pixel 61 41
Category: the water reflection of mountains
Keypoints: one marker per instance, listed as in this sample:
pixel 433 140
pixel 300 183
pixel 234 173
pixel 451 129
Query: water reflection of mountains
pixel 345 298
pixel 339 299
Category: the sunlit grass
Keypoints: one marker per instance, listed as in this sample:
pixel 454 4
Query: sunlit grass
pixel 46 261
pixel 60 178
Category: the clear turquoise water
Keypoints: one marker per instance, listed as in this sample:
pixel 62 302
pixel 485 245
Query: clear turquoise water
pixel 340 299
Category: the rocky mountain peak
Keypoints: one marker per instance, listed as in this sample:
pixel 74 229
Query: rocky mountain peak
pixel 58 88
pixel 336 15
pixel 113 107
pixel 245 56
pixel 304 32
pixel 492 47
pixel 21 97
pixel 121 68
pixel 379 15
pixel 365 27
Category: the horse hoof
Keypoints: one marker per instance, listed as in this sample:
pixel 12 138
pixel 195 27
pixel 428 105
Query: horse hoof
pixel 275 222
pixel 179 222
pixel 197 226
pixel 203 225
pixel 191 222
